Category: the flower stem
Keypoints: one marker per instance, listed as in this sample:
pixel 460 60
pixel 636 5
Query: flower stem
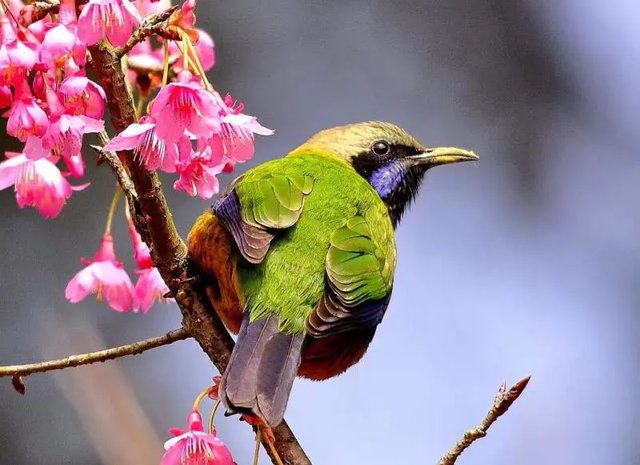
pixel 112 209
pixel 191 57
pixel 201 396
pixel 140 106
pixel 256 452
pixel 165 69
pixel 212 416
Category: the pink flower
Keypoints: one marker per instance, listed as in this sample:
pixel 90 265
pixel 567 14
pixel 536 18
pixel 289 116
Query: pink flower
pixel 146 145
pixel 195 447
pixel 17 56
pixel 184 106
pixel 60 45
pixel 150 286
pixel 63 136
pixel 26 118
pixel 104 276
pixel 234 139
pixel 38 183
pixel 198 174
pixel 83 97
pixel 114 18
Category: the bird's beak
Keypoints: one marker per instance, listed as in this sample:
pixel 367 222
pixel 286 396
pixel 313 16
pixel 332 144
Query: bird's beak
pixel 443 156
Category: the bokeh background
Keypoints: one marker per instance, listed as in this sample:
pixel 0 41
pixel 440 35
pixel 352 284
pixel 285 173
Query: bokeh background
pixel 527 262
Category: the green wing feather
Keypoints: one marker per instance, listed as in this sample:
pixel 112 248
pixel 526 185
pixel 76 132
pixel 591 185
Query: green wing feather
pixel 273 201
pixel 359 267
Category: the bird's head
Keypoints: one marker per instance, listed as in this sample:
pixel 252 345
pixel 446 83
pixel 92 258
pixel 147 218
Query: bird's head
pixel 387 156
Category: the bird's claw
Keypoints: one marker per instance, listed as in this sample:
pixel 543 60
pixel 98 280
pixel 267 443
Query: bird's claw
pixel 258 423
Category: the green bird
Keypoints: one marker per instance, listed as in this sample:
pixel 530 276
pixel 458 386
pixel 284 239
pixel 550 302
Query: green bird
pixel 302 253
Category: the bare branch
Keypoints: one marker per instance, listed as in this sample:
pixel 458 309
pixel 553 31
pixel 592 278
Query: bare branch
pixel 155 225
pixel 18 371
pixel 501 404
pixel 124 180
pixel 154 24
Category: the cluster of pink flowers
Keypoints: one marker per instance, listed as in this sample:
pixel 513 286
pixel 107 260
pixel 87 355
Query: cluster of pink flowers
pixel 184 127
pixel 51 104
pixel 106 277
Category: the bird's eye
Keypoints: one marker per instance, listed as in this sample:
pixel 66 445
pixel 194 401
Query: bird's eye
pixel 381 148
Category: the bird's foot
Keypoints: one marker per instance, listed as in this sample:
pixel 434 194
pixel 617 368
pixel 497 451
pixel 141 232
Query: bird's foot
pixel 262 431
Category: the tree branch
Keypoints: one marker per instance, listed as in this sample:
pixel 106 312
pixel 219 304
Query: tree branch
pixel 501 404
pixel 154 24
pixel 155 225
pixel 95 357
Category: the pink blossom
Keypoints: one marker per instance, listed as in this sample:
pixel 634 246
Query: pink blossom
pixel 26 118
pixel 104 276
pixel 83 97
pixel 150 286
pixel 38 183
pixel 60 43
pixel 195 447
pixel 17 56
pixel 198 174
pixel 114 18
pixel 154 152
pixel 184 106
pixel 63 136
pixel 234 139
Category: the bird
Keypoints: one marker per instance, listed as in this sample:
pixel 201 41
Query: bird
pixel 299 255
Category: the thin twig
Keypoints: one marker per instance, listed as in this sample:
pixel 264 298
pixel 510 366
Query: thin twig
pixel 95 357
pixel 121 174
pixel 118 169
pixel 154 24
pixel 504 400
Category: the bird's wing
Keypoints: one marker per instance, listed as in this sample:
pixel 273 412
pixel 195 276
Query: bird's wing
pixel 360 271
pixel 256 208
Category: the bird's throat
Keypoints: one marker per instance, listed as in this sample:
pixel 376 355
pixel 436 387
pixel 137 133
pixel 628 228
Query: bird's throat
pixel 397 184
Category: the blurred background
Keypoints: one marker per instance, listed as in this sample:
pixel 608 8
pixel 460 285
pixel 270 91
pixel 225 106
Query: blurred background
pixel 527 262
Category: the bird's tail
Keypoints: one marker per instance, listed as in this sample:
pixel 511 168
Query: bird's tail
pixel 261 370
